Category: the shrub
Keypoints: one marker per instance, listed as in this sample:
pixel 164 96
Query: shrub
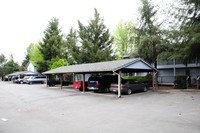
pixel 180 82
pixel 140 79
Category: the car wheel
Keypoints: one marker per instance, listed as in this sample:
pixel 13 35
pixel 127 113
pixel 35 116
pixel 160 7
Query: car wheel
pixel 21 82
pixel 145 89
pixel 129 91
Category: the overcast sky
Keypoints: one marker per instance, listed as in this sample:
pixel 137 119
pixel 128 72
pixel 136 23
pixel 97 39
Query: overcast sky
pixel 23 21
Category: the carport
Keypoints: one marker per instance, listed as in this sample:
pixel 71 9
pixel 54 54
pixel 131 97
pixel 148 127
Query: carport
pixel 117 67
pixel 24 73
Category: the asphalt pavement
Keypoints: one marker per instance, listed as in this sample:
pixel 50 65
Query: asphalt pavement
pixel 38 109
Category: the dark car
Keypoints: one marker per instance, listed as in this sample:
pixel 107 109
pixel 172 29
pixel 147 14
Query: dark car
pixel 56 81
pixel 129 86
pixel 101 83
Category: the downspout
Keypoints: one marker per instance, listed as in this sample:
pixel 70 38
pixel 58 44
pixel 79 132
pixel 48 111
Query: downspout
pixel 174 64
pixel 119 82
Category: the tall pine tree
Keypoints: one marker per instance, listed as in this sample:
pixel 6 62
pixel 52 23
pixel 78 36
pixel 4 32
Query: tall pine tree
pixel 52 46
pixel 73 55
pixel 188 46
pixel 96 41
pixel 148 42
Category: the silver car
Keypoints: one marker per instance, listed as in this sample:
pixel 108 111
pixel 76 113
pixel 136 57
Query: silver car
pixel 36 80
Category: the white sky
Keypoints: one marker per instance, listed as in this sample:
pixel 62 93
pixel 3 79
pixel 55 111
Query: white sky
pixel 23 21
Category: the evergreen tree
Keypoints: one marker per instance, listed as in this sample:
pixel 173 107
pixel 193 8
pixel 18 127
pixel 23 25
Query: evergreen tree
pixel 185 36
pixel 96 41
pixel 25 62
pixel 149 41
pixel 11 66
pixel 73 55
pixel 187 46
pixel 2 63
pixel 52 45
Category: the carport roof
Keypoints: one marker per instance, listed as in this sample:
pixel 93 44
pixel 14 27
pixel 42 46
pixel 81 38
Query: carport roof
pixel 22 72
pixel 136 64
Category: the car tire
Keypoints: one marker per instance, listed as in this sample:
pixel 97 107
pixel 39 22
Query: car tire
pixel 129 91
pixel 145 89
pixel 21 82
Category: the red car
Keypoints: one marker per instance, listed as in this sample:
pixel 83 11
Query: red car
pixel 79 85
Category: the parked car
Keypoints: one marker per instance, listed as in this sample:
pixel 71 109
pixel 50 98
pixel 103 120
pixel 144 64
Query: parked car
pixel 18 79
pixel 36 79
pixel 56 81
pixel 129 86
pixel 101 84
pixel 25 79
pixel 79 85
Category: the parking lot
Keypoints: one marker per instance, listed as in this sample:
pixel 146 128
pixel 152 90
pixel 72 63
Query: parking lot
pixel 38 109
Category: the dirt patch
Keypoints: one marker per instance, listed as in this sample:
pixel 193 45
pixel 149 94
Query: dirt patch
pixel 164 88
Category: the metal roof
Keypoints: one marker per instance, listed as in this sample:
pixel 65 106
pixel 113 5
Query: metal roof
pixel 22 73
pixel 108 66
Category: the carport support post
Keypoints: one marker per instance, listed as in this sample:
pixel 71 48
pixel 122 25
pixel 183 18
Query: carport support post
pixel 83 83
pixel 48 78
pixel 119 84
pixel 61 80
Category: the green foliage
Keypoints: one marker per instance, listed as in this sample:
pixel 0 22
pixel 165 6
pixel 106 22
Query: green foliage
pixel 191 31
pixel 140 79
pixel 2 63
pixel 25 62
pixel 185 43
pixel 73 55
pixel 2 59
pixel 7 67
pixel 52 46
pixel 10 67
pixel 58 63
pixel 124 36
pixel 42 66
pixel 35 54
pixel 149 37
pixel 180 82
pixel 96 41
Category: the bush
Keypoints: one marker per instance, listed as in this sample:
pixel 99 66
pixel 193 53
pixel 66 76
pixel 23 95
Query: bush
pixel 140 79
pixel 180 82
